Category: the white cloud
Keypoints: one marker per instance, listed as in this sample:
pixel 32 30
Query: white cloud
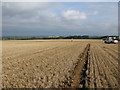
pixel 25 6
pixel 55 17
pixel 74 15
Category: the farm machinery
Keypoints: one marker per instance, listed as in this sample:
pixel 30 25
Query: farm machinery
pixel 112 40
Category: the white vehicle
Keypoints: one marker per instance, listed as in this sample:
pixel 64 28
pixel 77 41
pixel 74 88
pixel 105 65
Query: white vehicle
pixel 111 40
pixel 108 41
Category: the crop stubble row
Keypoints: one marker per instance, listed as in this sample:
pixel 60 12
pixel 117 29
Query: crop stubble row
pixel 102 67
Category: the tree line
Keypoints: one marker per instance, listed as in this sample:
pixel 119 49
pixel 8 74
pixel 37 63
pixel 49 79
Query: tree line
pixel 59 37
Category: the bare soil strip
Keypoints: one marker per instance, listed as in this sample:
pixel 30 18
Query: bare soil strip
pixel 77 79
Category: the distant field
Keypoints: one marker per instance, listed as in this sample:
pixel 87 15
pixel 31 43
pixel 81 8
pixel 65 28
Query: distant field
pixel 59 63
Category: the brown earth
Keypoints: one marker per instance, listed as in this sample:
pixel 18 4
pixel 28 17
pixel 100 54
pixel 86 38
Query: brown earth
pixel 59 63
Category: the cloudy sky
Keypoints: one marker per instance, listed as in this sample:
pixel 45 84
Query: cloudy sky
pixel 52 19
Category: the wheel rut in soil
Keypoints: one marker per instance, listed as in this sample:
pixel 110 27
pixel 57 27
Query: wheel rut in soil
pixel 78 76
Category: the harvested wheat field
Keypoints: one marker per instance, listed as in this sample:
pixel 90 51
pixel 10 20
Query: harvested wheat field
pixel 59 64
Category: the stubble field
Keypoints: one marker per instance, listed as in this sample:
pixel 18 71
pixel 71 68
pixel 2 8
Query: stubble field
pixel 59 63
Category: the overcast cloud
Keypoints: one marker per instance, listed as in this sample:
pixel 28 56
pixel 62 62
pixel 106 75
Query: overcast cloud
pixel 46 19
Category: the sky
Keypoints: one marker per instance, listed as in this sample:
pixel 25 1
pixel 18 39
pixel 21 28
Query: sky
pixel 59 18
